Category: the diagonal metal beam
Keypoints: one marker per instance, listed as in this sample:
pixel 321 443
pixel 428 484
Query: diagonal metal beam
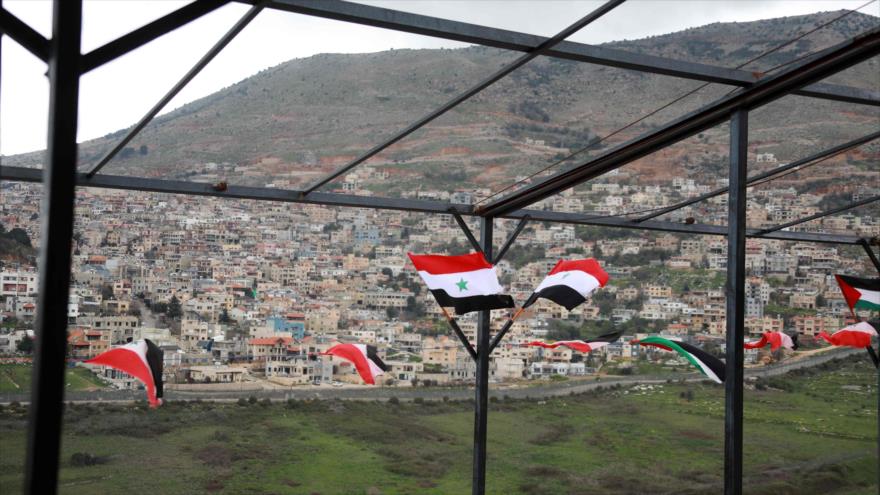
pixel 467 94
pixel 511 40
pixel 821 214
pixel 204 61
pixel 143 184
pixel 830 61
pixel 516 232
pixel 467 231
pixel 147 33
pixel 24 35
pixel 778 170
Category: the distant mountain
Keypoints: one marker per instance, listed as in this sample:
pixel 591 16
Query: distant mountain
pixel 294 122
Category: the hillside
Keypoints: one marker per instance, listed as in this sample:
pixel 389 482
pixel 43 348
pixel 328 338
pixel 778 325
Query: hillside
pixel 294 122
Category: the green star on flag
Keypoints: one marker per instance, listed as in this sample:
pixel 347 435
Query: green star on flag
pixel 462 285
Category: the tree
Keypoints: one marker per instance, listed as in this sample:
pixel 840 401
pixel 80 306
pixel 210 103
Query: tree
pixel 224 316
pixel 25 345
pixel 173 310
pixel 392 312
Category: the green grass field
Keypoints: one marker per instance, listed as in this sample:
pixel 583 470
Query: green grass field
pixel 16 378
pixel 811 433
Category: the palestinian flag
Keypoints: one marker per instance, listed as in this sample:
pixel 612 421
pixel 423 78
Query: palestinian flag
pixel 775 339
pixel 705 362
pixel 570 282
pixel 580 345
pixel 860 293
pixel 364 358
pixel 467 282
pixel 141 359
pixel 858 335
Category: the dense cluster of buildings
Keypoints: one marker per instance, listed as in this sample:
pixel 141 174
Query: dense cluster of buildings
pixel 241 291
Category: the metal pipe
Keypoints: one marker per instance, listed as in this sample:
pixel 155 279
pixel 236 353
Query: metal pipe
pixel 56 235
pixel 539 49
pixel 192 73
pixel 873 257
pixel 519 228
pixel 24 35
pixel 736 301
pixel 770 173
pixel 831 61
pixel 481 402
pixel 143 184
pixel 459 333
pixel 467 231
pixel 821 214
pixel 511 40
pixel 147 33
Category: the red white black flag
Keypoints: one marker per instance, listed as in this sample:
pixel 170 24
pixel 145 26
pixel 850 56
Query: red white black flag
pixel 467 282
pixel 364 357
pixel 570 282
pixel 141 359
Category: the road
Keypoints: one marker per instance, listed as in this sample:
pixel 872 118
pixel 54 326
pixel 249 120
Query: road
pixel 500 391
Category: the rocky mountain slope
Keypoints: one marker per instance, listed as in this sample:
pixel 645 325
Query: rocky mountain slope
pixel 294 122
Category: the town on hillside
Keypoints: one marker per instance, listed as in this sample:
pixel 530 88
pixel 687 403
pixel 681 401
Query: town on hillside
pixel 251 293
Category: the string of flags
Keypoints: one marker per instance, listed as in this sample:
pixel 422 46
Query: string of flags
pixel 469 283
pixel 584 346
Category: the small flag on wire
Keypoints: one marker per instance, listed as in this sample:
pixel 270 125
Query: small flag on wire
pixel 364 357
pixel 570 282
pixel 141 359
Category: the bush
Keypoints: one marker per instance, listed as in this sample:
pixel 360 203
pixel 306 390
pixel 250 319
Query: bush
pixel 242 401
pixel 266 402
pixel 394 400
pixel 82 459
pixel 292 403
pixel 419 400
pixel 252 400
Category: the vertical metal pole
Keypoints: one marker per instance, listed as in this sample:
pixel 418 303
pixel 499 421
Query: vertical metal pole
pixel 47 393
pixel 736 257
pixel 481 404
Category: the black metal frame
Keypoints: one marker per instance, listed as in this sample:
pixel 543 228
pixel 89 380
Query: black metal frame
pixel 60 178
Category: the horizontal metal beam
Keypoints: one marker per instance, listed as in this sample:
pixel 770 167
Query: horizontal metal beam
pixel 819 215
pixel 241 192
pixel 470 92
pixel 778 170
pixel 511 40
pixel 24 35
pixel 831 61
pixel 104 181
pixel 147 33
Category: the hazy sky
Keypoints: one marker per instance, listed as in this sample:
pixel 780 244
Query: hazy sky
pixel 118 94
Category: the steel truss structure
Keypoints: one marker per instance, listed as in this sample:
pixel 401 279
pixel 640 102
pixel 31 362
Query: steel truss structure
pixel 66 64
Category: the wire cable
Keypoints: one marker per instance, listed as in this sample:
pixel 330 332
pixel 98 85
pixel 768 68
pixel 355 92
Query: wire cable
pixel 667 105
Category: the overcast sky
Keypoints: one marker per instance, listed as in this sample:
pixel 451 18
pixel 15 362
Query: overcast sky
pixel 118 94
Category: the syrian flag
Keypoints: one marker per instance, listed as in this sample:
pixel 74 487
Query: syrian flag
pixel 858 335
pixel 702 360
pixel 580 345
pixel 775 339
pixel 467 282
pixel 860 293
pixel 364 358
pixel 570 282
pixel 141 359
